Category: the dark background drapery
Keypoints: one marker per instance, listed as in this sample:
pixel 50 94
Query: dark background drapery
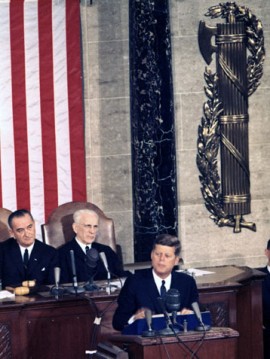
pixel 152 124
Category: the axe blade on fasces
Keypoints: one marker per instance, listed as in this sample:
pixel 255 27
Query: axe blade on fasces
pixel 205 35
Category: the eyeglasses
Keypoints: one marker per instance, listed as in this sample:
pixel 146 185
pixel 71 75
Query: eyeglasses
pixel 88 226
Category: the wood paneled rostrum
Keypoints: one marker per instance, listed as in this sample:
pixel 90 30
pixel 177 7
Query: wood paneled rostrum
pixel 42 326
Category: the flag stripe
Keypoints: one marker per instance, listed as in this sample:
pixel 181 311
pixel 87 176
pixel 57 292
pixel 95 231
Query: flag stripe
pixel 33 110
pixel 74 98
pixel 47 104
pixel 8 184
pixel 42 157
pixel 19 103
pixel 61 103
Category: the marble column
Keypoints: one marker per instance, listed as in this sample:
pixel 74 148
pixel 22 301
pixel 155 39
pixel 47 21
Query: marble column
pixel 152 124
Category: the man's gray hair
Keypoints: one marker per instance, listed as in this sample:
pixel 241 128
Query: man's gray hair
pixel 77 215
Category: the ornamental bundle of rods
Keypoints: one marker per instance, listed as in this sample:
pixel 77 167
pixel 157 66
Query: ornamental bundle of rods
pixel 225 124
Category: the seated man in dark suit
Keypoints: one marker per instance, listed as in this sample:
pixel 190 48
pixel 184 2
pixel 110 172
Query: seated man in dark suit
pixel 266 303
pixel 85 226
pixel 23 257
pixel 142 289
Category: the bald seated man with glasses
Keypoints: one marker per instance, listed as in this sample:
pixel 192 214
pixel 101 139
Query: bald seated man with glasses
pixel 85 226
pixel 142 289
pixel 23 257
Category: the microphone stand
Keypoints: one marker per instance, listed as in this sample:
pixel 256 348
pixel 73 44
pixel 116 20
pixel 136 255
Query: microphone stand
pixel 174 323
pixel 201 327
pixel 169 330
pixel 172 304
pixel 150 332
pixel 92 257
pixel 109 282
pixel 56 290
pixel 172 330
pixel 76 289
pixel 90 286
pixel 109 286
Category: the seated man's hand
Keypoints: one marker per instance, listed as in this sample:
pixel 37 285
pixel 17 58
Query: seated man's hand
pixel 186 311
pixel 140 313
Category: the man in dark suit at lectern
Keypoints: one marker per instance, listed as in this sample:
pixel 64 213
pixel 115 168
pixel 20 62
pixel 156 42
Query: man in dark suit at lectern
pixel 23 257
pixel 266 303
pixel 142 289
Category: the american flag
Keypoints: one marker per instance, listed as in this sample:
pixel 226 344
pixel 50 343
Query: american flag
pixel 42 161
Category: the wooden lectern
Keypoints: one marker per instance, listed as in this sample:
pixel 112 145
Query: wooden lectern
pixel 41 326
pixel 217 343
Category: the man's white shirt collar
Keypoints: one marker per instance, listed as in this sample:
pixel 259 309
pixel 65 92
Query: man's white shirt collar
pixel 82 245
pixel 159 280
pixel 30 248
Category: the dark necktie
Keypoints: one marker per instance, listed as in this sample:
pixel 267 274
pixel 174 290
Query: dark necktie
pixel 86 249
pixel 163 290
pixel 25 258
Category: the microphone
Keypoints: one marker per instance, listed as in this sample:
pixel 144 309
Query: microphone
pixel 172 302
pixel 57 271
pixel 92 257
pixel 91 260
pixel 150 332
pixel 75 288
pixel 56 289
pixel 201 327
pixel 73 267
pixel 168 329
pixel 104 260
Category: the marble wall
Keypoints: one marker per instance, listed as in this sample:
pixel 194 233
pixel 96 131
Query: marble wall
pixel 107 132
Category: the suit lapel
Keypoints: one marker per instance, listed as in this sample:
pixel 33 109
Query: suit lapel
pixel 78 252
pixel 34 258
pixel 152 291
pixel 17 257
pixel 152 285
pixel 174 281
